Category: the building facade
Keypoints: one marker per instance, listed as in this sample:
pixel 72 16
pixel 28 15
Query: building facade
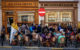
pixel 60 12
pixel 19 11
pixel 26 11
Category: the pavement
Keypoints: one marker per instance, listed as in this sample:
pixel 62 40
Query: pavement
pixel 33 48
pixel 6 46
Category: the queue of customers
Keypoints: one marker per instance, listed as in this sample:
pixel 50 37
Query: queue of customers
pixel 47 36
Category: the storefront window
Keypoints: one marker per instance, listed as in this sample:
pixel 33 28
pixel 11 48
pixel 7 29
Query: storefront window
pixel 58 16
pixel 52 17
pixel 24 18
pixel 29 17
pixel 66 16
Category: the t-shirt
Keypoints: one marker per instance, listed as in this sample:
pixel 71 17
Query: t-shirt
pixel 31 29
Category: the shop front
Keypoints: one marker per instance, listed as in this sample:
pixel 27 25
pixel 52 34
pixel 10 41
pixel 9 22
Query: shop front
pixel 19 11
pixel 60 12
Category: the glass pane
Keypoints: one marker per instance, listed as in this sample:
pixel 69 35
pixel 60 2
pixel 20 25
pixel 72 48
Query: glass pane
pixel 59 16
pixel 66 16
pixel 51 17
pixel 26 17
pixel 19 18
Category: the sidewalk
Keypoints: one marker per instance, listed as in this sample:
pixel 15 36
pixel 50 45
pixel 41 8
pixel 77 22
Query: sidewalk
pixel 6 46
pixel 34 48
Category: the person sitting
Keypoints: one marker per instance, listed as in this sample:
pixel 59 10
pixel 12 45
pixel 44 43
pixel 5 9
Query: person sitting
pixel 53 41
pixel 48 39
pixel 61 40
pixel 35 38
pixel 15 39
pixel 43 39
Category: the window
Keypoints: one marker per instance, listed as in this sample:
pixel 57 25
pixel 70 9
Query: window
pixel 9 12
pixel 59 16
pixel 66 16
pixel 52 17
pixel 26 17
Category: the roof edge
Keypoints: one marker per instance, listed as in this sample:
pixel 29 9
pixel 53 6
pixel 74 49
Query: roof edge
pixel 58 1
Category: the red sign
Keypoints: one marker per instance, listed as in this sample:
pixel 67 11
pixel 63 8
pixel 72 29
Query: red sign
pixel 41 12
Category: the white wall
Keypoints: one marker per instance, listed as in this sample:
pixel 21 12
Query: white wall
pixel 41 18
pixel 0 19
pixel 57 0
pixel 79 11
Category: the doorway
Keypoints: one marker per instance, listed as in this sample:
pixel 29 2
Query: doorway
pixel 10 20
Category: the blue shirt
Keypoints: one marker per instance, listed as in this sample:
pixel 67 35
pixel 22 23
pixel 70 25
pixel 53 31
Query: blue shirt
pixel 31 30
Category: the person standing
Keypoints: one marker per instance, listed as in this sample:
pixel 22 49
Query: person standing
pixel 31 28
pixel 8 31
pixel 8 28
pixel 23 28
pixel 2 35
pixel 14 30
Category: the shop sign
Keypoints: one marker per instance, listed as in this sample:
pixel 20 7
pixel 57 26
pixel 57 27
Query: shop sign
pixel 20 3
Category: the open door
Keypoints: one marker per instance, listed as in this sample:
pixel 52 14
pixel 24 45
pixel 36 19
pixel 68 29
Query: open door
pixel 10 20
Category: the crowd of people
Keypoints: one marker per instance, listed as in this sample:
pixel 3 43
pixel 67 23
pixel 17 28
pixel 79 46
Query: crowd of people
pixel 53 35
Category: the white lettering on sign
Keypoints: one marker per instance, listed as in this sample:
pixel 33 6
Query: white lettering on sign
pixel 41 12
